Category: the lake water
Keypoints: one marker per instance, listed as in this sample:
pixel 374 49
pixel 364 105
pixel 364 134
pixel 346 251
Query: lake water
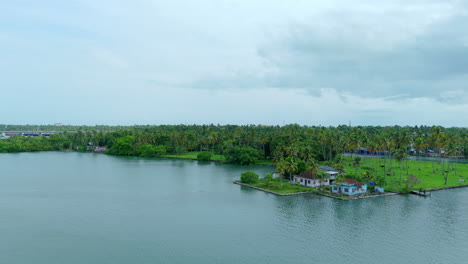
pixel 92 208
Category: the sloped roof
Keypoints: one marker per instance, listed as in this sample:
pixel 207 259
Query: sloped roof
pixel 307 175
pixel 353 181
pixel 327 168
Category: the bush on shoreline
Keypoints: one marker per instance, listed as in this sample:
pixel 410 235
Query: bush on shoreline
pixel 249 177
pixel 204 156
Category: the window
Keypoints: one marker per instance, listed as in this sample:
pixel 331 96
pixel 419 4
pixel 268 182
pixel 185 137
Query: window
pixel 302 180
pixel 346 190
pixel 308 181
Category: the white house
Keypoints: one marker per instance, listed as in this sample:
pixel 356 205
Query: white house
pixel 311 180
pixel 331 172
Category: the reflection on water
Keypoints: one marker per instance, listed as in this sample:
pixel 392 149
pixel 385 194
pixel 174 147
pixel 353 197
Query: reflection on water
pixel 90 208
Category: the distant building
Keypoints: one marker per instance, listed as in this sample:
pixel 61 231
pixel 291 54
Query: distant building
pixel 3 136
pixel 96 149
pixel 349 187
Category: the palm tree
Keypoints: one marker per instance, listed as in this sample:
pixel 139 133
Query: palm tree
pixel 400 155
pixel 281 168
pixel 312 166
pixel 291 166
pixel 419 145
pixel 356 163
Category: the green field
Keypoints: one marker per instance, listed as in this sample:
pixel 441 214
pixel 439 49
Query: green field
pixel 430 173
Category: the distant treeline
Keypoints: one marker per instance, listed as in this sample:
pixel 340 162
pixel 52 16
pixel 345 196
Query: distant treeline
pixel 242 144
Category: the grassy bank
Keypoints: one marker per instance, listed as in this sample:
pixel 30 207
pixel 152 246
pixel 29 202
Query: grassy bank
pixel 276 186
pixel 193 156
pixel 429 173
pixel 215 157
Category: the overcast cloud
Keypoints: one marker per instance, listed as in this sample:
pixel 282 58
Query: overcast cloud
pixel 241 62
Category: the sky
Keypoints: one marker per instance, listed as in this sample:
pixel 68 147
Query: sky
pixel 272 62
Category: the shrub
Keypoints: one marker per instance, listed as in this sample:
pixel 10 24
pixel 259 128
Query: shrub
pixel 204 156
pixel 268 177
pixel 242 155
pixel 124 146
pixel 148 150
pixel 410 182
pixel 249 177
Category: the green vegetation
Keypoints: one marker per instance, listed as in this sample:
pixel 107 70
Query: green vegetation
pixel 242 155
pixel 127 146
pixel 406 175
pixel 204 156
pixel 26 144
pixel 148 150
pixel 275 185
pixel 292 148
pixel 194 156
pixel 249 177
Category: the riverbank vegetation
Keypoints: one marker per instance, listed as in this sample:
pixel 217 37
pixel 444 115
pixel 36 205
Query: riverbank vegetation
pixel 291 148
pixel 274 185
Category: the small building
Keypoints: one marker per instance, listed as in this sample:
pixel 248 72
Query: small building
pixel 378 189
pixel 276 175
pixel 311 180
pixel 349 187
pixel 331 172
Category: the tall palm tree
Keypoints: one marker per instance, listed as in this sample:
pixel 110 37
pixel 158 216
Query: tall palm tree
pixel 356 163
pixel 400 156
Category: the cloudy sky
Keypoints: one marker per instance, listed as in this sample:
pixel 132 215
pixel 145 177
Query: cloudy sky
pixel 234 62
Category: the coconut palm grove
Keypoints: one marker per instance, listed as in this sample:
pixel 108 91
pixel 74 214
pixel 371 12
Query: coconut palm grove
pixel 399 158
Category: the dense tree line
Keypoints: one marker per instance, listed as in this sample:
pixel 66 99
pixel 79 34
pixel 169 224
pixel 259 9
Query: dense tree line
pixel 254 142
pixel 293 148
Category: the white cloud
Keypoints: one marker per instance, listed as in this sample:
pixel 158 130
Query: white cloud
pixel 392 62
pixel 237 106
pixel 111 59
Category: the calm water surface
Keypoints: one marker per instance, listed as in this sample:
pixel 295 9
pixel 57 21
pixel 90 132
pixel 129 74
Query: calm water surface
pixel 91 208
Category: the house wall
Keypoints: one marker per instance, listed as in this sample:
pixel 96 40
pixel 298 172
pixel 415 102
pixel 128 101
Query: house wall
pixel 332 175
pixel 379 189
pixel 310 182
pixel 342 189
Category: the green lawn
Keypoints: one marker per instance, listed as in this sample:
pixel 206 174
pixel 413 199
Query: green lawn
pixel 193 155
pixel 428 172
pixel 284 188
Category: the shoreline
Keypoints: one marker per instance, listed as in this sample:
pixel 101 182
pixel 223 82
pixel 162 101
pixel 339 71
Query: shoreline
pixel 343 198
pixel 219 161
pixel 318 192
pixel 350 197
pixel 272 192
pixel 445 188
